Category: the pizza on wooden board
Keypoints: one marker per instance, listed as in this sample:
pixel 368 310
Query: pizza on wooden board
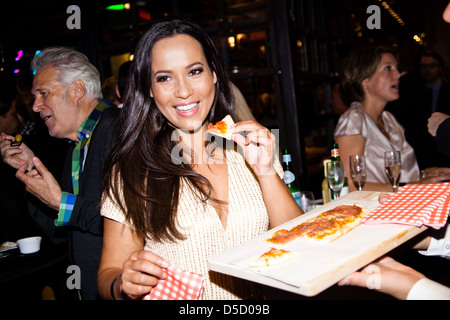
pixel 326 227
pixel 273 257
pixel 222 128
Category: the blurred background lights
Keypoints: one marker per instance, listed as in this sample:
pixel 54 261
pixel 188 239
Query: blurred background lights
pixel 392 12
pixel 419 38
pixel 125 6
pixel 232 42
pixel 19 55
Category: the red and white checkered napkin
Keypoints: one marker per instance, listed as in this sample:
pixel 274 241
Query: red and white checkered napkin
pixel 179 285
pixel 415 204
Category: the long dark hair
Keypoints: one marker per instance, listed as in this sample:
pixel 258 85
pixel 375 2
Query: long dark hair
pixel 140 175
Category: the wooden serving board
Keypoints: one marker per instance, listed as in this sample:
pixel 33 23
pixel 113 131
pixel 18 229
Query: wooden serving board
pixel 318 265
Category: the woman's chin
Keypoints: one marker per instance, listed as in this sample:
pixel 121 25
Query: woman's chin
pixel 189 126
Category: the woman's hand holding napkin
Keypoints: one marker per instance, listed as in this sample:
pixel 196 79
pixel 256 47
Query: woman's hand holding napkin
pixel 178 285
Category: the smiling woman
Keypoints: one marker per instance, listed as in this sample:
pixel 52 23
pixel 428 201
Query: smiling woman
pixel 178 213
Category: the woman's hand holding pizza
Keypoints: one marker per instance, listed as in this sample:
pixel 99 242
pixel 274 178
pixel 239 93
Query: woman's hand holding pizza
pixel 258 145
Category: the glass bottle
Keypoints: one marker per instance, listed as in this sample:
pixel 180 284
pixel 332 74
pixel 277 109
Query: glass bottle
pixel 325 187
pixel 335 156
pixel 289 177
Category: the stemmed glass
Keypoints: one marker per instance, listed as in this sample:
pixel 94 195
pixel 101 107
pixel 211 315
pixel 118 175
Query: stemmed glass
pixel 335 175
pixel 393 165
pixel 308 201
pixel 358 170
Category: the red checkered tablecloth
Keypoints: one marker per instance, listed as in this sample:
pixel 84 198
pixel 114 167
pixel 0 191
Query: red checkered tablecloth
pixel 415 204
pixel 179 285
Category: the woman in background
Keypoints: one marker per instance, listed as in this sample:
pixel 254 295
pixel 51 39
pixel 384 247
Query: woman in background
pixel 371 78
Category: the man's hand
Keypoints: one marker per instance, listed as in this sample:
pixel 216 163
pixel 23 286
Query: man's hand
pixel 435 121
pixel 15 156
pixel 41 183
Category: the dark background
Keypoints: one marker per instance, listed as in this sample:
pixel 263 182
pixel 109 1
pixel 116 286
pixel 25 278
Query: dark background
pixel 288 54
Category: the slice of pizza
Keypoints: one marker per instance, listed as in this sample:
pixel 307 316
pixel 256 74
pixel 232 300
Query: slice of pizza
pixel 326 227
pixel 282 236
pixel 325 230
pixel 222 128
pixel 273 257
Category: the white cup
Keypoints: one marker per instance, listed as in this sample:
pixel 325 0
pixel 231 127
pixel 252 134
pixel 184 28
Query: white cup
pixel 29 245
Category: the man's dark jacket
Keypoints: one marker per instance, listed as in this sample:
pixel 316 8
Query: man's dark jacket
pixel 84 230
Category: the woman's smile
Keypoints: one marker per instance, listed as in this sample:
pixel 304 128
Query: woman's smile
pixel 187 110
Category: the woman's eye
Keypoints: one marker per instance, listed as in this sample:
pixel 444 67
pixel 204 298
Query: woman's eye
pixel 196 71
pixel 162 78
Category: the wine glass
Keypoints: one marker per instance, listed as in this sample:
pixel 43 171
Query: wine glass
pixel 358 170
pixel 335 175
pixel 393 165
pixel 308 201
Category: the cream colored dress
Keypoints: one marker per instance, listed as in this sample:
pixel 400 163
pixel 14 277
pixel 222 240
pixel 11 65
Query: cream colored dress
pixel 205 234
pixel 356 121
